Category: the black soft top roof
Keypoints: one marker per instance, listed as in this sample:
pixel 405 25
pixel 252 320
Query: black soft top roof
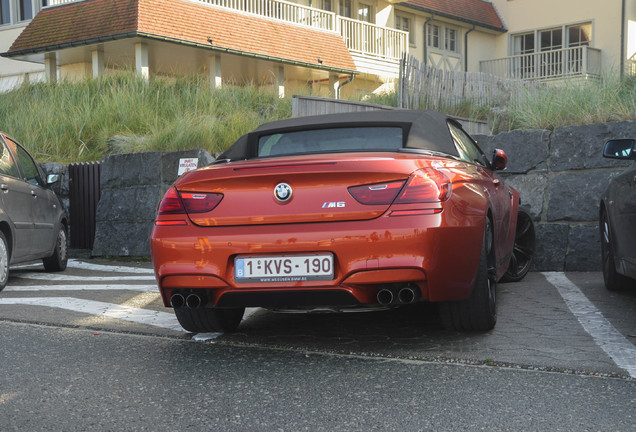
pixel 424 130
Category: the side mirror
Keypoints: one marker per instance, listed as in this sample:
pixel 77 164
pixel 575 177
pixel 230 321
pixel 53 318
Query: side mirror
pixel 52 178
pixel 620 149
pixel 499 160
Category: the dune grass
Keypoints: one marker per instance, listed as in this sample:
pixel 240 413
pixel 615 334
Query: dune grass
pixel 72 121
pixel 576 102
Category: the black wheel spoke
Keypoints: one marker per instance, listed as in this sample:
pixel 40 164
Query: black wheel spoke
pixel 525 252
pixel 525 227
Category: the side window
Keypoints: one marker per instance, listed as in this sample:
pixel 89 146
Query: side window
pixel 466 147
pixel 7 164
pixel 29 169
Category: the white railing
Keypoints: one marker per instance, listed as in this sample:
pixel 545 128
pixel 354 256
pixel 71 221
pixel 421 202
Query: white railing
pixel 360 37
pixel 364 38
pixel 282 10
pixel 631 66
pixel 555 64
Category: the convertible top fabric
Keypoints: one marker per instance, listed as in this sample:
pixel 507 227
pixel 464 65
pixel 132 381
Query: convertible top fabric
pixel 424 130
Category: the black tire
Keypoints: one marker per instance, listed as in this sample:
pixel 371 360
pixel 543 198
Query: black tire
pixel 523 250
pixel 479 311
pixel 57 262
pixel 614 281
pixel 5 256
pixel 209 320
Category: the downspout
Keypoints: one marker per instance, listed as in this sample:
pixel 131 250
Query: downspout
pixel 426 38
pixel 623 50
pixel 466 48
pixel 344 83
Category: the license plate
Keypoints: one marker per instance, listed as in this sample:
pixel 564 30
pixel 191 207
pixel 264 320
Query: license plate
pixel 283 268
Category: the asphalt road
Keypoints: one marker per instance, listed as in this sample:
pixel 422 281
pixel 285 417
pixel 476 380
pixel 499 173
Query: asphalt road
pixel 94 348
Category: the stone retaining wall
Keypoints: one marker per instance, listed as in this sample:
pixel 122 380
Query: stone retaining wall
pixel 131 187
pixel 561 176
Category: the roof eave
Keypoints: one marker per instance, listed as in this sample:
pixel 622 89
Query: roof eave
pixel 453 17
pixel 132 34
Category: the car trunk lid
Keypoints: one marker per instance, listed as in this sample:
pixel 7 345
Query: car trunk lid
pixel 318 189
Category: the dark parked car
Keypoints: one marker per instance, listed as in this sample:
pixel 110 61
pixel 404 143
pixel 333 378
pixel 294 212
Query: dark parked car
pixel 357 210
pixel 617 220
pixel 32 222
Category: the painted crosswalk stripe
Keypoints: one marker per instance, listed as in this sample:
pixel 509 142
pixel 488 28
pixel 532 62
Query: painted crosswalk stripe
pixel 109 268
pixel 100 287
pixel 126 313
pixel 602 331
pixel 66 277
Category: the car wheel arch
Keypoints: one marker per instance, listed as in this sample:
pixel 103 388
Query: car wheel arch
pixel 8 234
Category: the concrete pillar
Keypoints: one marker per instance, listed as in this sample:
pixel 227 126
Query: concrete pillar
pixel 216 81
pixel 98 62
pixel 50 67
pixel 280 80
pixel 141 60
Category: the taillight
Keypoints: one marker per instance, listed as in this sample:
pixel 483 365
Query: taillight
pixel 200 202
pixel 382 193
pixel 188 202
pixel 426 185
pixel 171 203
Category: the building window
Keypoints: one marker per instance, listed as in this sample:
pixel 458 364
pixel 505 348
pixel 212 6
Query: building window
pixel 450 39
pixel 364 12
pixel 432 36
pixel 26 10
pixel 523 44
pixel 579 35
pixel 404 23
pixel 325 5
pixel 344 8
pixel 551 39
pixel 5 12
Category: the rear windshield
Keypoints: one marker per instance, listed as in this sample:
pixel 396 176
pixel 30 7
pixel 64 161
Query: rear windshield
pixel 331 140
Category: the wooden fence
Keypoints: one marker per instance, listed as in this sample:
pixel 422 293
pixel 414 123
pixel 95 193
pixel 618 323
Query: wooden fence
pixel 425 87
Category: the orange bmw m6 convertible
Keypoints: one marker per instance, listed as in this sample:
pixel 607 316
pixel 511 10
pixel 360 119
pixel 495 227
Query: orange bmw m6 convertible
pixel 349 211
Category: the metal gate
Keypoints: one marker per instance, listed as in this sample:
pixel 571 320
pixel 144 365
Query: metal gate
pixel 84 193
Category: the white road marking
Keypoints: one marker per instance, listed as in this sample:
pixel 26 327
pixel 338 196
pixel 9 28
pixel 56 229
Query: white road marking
pixel 66 277
pixel 602 331
pixel 115 269
pixel 141 316
pixel 108 287
pixel 123 312
pixel 204 337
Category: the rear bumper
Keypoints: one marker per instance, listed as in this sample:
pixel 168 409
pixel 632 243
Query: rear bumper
pixel 435 254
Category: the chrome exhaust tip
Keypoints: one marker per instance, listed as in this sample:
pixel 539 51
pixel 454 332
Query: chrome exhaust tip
pixel 177 300
pixel 406 295
pixel 385 297
pixel 194 301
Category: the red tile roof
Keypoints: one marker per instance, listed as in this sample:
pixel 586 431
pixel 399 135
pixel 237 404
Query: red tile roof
pixel 182 21
pixel 477 12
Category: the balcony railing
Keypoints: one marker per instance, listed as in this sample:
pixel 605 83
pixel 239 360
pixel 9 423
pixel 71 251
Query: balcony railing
pixel 360 37
pixel 282 10
pixel 555 64
pixel 369 39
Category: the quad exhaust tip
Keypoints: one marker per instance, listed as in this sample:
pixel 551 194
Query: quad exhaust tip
pixel 404 295
pixel 193 301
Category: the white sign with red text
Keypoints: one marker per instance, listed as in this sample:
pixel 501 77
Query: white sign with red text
pixel 187 164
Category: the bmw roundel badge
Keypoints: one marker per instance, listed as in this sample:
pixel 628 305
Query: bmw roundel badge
pixel 283 192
